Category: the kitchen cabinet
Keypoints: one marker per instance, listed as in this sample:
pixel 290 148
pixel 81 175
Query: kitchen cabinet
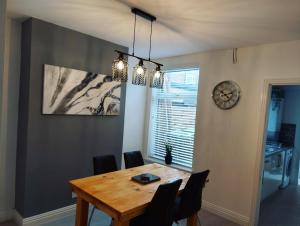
pixel 273 171
pixel 275 115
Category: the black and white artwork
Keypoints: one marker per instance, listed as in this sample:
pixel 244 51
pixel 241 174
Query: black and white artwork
pixel 74 92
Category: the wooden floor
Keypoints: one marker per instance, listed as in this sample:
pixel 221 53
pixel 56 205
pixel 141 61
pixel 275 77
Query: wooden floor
pixel 282 208
pixel 207 219
pixel 8 224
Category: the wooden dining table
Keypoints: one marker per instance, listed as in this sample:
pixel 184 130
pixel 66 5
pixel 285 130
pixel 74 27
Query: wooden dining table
pixel 121 198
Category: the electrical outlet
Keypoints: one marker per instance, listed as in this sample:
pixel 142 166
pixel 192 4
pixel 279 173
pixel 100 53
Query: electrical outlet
pixel 74 195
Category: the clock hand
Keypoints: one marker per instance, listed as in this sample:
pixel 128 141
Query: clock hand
pixel 229 94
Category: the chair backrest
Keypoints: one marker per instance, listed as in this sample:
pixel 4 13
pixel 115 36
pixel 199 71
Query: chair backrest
pixel 190 200
pixel 160 210
pixel 104 164
pixel 133 159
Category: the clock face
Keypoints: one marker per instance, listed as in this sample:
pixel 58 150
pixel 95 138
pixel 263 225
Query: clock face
pixel 226 94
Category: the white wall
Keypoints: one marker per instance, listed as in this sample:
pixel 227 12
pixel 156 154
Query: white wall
pixel 227 141
pixel 135 107
pixel 9 114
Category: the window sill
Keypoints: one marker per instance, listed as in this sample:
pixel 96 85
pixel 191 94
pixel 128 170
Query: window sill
pixel 175 166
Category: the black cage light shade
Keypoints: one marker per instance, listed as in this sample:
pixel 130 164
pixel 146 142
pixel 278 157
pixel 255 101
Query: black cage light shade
pixel 139 75
pixel 157 78
pixel 120 69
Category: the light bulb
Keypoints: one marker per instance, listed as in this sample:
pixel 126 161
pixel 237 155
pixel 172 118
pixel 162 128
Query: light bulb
pixel 140 70
pixel 120 65
pixel 157 74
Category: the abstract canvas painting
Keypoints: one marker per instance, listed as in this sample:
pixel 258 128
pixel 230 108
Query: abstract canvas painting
pixel 74 92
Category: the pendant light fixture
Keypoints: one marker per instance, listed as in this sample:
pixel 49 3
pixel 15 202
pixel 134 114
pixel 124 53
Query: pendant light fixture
pixel 139 75
pixel 157 78
pixel 140 72
pixel 120 69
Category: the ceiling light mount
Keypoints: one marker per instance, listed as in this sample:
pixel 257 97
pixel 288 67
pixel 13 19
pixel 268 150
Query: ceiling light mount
pixel 143 14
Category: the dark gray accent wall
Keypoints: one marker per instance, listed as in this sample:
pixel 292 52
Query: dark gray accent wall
pixel 2 37
pixel 2 154
pixel 54 149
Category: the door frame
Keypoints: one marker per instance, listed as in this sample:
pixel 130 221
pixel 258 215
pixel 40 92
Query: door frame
pixel 263 121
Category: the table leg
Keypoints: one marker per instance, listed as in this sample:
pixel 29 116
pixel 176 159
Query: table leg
pixel 82 210
pixel 192 220
pixel 120 223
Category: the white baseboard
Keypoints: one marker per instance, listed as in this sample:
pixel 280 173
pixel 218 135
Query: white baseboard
pixel 225 213
pixel 45 217
pixel 18 218
pixel 6 215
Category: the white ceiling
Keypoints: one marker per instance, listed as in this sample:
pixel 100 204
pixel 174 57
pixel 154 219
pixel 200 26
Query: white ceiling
pixel 182 27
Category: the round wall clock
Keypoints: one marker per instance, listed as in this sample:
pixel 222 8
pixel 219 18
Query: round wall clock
pixel 226 94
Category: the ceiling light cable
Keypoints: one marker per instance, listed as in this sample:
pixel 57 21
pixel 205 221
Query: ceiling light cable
pixel 150 42
pixel 133 43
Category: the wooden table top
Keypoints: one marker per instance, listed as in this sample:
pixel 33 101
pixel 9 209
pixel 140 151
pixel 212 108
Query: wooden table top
pixel 118 193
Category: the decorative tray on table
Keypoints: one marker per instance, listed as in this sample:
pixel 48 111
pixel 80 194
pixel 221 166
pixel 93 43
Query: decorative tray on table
pixel 145 178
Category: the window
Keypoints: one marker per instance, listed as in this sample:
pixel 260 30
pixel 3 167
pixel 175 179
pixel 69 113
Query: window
pixel 173 114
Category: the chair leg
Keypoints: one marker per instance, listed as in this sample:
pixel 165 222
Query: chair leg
pixel 91 216
pixel 192 220
pixel 199 220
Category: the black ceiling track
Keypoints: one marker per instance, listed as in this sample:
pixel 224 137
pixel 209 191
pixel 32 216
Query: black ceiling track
pixel 140 58
pixel 143 14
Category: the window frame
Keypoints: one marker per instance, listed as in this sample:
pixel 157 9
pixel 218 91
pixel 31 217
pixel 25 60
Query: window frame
pixel 149 157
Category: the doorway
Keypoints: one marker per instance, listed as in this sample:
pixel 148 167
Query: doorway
pixel 279 199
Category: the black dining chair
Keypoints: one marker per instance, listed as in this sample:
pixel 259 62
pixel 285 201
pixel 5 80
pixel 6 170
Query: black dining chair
pixel 133 159
pixel 189 201
pixel 159 211
pixel 103 164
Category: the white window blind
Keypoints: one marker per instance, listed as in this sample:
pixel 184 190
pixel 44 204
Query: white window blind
pixel 173 114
